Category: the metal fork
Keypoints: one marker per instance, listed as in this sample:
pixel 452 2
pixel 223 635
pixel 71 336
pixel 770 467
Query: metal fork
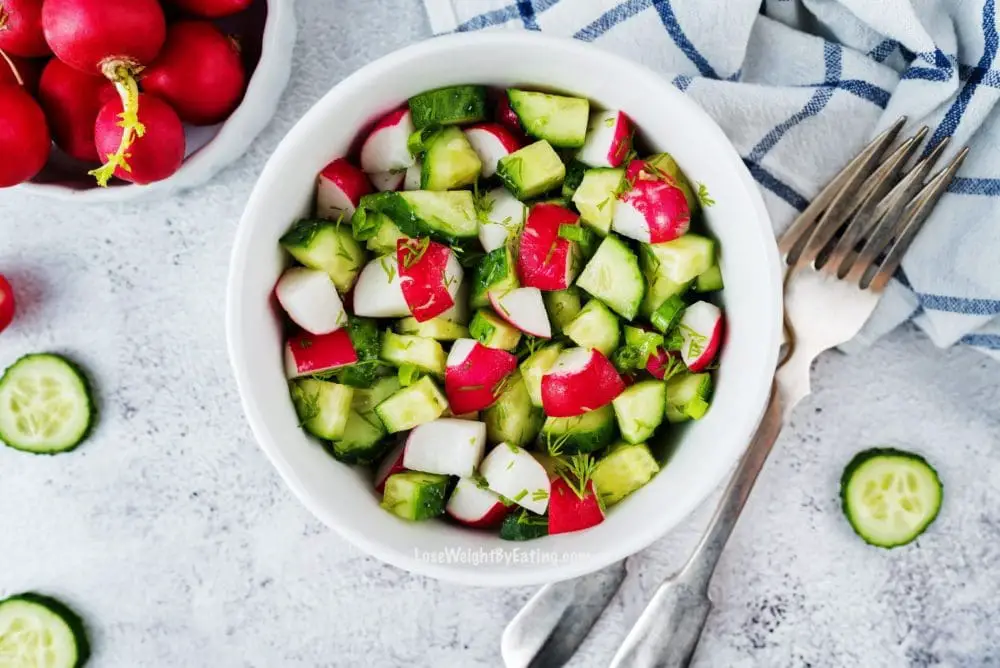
pixel 840 253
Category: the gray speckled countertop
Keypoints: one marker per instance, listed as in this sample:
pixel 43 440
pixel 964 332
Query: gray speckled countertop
pixel 175 538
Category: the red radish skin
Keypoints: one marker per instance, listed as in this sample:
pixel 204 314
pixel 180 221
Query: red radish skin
pixel 25 142
pixel 474 374
pixel 475 507
pixel 21 31
pixel 72 100
pixel 20 71
pixel 659 362
pixel 609 140
pixel 545 260
pixel 390 466
pixel 307 354
pixel 212 9
pixel 569 512
pixel 491 141
pixel 581 380
pixel 509 119
pixel 654 209
pixel 199 72
pixel 429 276
pixel 340 188
pixel 7 305
pixel 153 155
pixel 701 328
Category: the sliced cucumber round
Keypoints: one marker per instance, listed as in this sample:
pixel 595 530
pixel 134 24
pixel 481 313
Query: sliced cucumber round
pixel 39 632
pixel 45 405
pixel 890 496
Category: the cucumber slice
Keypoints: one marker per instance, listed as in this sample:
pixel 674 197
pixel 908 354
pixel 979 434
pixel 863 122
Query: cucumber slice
pixel 535 367
pixel 583 433
pixel 418 141
pixel 613 276
pixel 531 171
pixel 450 161
pixel 494 272
pixel 415 496
pixel 328 246
pixel 492 331
pixel 447 216
pixel 559 119
pixel 668 314
pixel 385 240
pixel 323 407
pixel 453 105
pixel 438 329
pixel 512 418
pixel 890 496
pixel 688 396
pixel 595 326
pixel 710 280
pixel 426 355
pixel 562 306
pixel 45 405
pixel 596 197
pixel 522 524
pixel 625 468
pixel 682 259
pixel 364 439
pixel 40 632
pixel 639 410
pixel 411 406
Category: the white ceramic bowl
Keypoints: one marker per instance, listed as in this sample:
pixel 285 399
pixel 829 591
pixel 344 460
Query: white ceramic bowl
pixel 209 149
pixel 343 497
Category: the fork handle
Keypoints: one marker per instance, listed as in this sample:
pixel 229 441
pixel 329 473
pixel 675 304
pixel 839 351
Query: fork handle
pixel 666 634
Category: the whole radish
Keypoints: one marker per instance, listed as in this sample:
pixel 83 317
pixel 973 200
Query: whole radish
pixel 71 100
pixel 212 9
pixel 199 72
pixel 115 39
pixel 21 28
pixel 153 154
pixel 25 142
pixel 17 70
pixel 6 303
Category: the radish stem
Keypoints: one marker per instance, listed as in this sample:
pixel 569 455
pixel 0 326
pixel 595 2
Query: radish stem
pixel 121 75
pixel 10 63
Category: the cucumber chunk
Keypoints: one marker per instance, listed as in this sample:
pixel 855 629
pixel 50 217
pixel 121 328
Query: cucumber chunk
pixel 682 259
pixel 596 197
pixel 426 355
pixel 583 433
pixel 453 105
pixel 492 331
pixel 710 280
pixel 385 240
pixel 39 631
pixel 512 418
pixel 537 364
pixel 595 326
pixel 625 468
pixel 450 161
pixel 639 410
pixel 415 496
pixel 364 439
pixel 438 329
pixel 411 406
pixel 890 496
pixel 562 306
pixel 688 396
pixel 531 171
pixel 494 272
pixel 446 216
pixel 613 276
pixel 559 119
pixel 574 176
pixel 367 344
pixel 323 407
pixel 328 246
pixel 522 524
pixel 45 405
pixel 668 314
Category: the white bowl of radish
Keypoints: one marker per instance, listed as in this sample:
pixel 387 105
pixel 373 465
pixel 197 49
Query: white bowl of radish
pixel 199 80
pixel 536 420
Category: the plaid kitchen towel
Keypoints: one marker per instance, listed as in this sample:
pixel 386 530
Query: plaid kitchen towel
pixel 800 86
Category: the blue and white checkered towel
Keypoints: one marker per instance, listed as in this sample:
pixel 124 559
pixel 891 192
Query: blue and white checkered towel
pixel 800 86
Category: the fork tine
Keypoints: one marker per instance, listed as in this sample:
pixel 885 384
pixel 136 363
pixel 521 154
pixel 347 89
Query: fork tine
pixel 917 212
pixel 795 236
pixel 853 207
pixel 887 217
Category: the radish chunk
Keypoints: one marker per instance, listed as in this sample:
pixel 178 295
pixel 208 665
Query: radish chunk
pixel 475 506
pixel 340 188
pixel 701 328
pixel 654 209
pixel 474 375
pixel 525 309
pixel 310 299
pixel 506 216
pixel 449 446
pixel 430 276
pixel 152 157
pixel 491 141
pixel 21 29
pixel 212 9
pixel 379 290
pixel 391 465
pixel 411 178
pixel 512 472
pixel 659 362
pixel 570 512
pixel 609 139
pixel 21 71
pixel 24 136
pixel 385 148
pixel 72 100
pixel 580 381
pixel 388 181
pixel 545 260
pixel 306 354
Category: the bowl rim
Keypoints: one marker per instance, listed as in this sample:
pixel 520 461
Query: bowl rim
pixel 235 135
pixel 236 338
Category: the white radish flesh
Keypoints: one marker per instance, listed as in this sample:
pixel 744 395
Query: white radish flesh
pixel 411 180
pixel 701 329
pixel 340 187
pixel 524 308
pixel 474 506
pixel 385 148
pixel 491 142
pixel 449 446
pixel 379 292
pixel 608 139
pixel 512 472
pixel 386 181
pixel 507 213
pixel 310 299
